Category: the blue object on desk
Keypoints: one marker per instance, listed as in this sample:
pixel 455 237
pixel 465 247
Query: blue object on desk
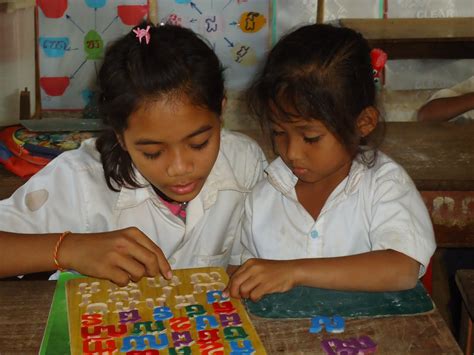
pixel 306 302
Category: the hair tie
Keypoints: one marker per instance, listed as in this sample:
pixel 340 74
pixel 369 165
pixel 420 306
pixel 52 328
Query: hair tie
pixel 142 32
pixel 378 58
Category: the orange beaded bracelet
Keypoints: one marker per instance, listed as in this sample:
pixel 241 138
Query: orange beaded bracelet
pixel 56 249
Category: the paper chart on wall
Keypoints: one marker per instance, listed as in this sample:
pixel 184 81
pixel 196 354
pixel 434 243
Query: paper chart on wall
pixel 72 36
pixel 238 30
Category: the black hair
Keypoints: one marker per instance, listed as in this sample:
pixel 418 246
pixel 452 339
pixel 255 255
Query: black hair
pixel 176 64
pixel 319 72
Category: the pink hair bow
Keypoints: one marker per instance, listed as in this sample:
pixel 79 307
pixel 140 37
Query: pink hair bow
pixel 140 32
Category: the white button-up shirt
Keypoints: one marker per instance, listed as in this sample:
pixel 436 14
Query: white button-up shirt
pixel 462 88
pixel 374 208
pixel 70 193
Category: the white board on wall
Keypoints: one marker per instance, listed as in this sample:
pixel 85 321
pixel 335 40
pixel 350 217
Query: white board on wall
pixel 410 74
pixel 429 8
pixel 336 9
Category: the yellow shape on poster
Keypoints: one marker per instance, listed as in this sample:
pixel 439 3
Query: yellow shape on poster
pixel 244 55
pixel 251 22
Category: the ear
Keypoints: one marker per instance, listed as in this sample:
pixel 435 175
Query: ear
pixel 224 103
pixel 367 121
pixel 223 106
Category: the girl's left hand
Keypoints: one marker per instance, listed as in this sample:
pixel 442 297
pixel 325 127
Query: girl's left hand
pixel 258 277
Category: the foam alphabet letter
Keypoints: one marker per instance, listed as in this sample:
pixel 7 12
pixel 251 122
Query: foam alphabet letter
pixel 140 342
pixel 336 325
pixel 162 313
pixel 195 310
pixel 245 347
pixel 202 322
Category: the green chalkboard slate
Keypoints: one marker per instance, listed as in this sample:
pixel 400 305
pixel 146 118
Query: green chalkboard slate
pixel 305 302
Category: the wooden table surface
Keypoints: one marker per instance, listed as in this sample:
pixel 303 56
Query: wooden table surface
pixel 437 156
pixel 24 307
pixel 404 38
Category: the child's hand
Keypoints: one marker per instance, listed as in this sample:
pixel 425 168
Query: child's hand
pixel 258 277
pixel 119 256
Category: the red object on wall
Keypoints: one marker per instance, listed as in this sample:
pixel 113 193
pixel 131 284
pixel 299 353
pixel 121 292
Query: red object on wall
pixel 132 15
pixel 54 86
pixel 52 8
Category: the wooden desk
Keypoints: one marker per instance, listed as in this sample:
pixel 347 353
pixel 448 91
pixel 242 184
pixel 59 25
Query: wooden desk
pixel 440 159
pixel 420 38
pixel 465 283
pixel 24 307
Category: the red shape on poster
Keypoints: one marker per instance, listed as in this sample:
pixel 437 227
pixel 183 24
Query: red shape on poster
pixel 52 8
pixel 54 86
pixel 132 15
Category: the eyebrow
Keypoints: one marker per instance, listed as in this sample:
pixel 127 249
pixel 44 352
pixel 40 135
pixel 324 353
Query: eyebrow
pixel 146 141
pixel 304 127
pixel 310 127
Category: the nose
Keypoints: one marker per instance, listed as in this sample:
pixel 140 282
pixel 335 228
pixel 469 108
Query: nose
pixel 293 149
pixel 179 164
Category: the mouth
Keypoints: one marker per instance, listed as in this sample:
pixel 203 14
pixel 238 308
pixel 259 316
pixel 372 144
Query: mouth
pixel 299 171
pixel 184 189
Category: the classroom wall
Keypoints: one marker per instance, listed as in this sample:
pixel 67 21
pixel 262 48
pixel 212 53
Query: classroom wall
pixel 17 59
pixel 408 82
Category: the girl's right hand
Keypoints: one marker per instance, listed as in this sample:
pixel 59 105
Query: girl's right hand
pixel 119 256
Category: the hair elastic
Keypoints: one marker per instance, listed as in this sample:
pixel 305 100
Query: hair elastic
pixel 142 32
pixel 56 249
pixel 378 58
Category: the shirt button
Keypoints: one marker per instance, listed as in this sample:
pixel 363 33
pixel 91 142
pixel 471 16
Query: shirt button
pixel 314 234
pixel 171 260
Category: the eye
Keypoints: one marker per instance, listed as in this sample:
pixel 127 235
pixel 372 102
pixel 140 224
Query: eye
pixel 277 133
pixel 312 140
pixel 152 156
pixel 200 146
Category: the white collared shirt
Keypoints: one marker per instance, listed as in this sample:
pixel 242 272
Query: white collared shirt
pixel 70 193
pixel 461 88
pixel 374 208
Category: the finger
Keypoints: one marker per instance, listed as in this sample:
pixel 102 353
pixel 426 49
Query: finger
pixel 232 284
pixel 256 294
pixel 236 283
pixel 248 287
pixel 118 276
pixel 134 269
pixel 242 269
pixel 158 263
pixel 236 273
pixel 151 257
